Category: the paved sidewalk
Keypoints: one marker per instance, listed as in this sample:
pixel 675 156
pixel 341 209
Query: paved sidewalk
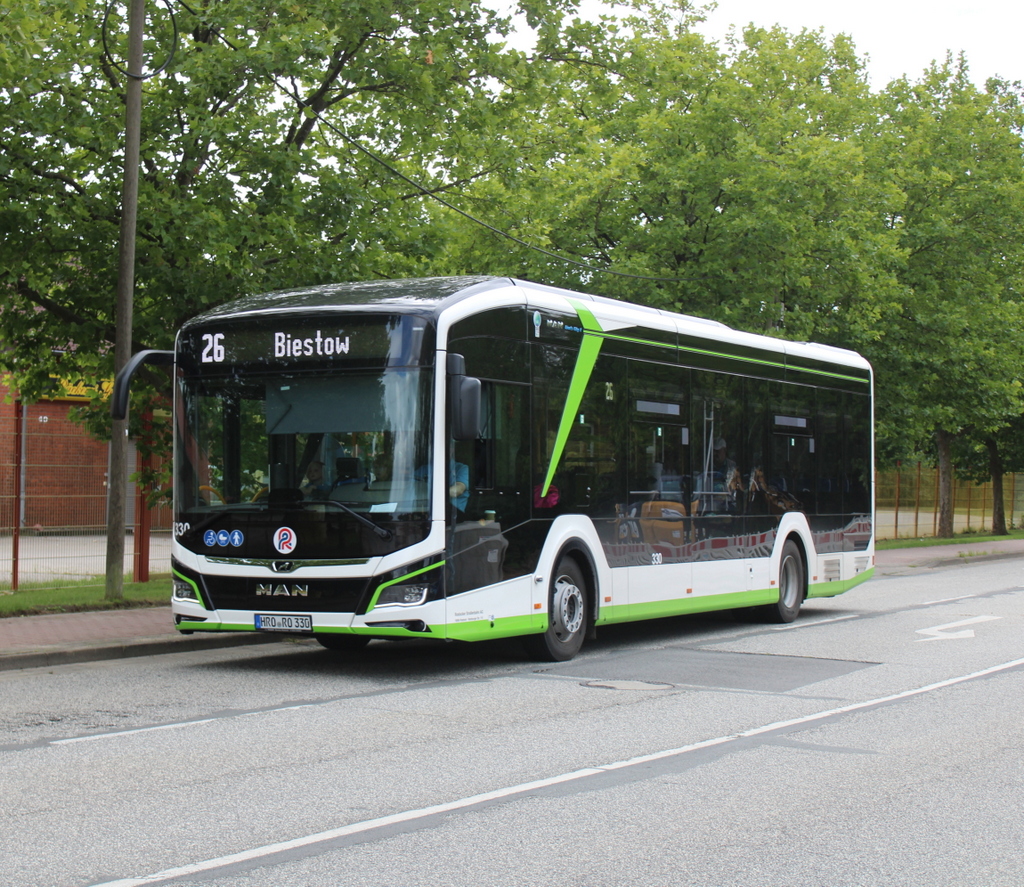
pixel 63 638
pixel 899 560
pixel 36 641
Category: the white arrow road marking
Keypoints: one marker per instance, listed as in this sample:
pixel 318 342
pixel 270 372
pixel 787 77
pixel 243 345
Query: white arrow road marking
pixel 940 633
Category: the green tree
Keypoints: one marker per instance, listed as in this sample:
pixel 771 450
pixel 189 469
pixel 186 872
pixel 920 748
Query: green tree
pixel 765 186
pixel 949 358
pixel 990 459
pixel 733 179
pixel 254 173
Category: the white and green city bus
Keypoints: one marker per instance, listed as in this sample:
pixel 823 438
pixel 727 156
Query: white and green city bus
pixel 476 457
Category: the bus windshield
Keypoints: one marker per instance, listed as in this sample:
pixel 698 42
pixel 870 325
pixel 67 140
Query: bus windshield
pixel 339 456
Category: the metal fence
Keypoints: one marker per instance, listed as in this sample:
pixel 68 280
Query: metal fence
pixel 907 503
pixel 53 503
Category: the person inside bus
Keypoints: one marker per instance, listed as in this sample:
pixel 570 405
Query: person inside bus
pixel 716 489
pixel 731 479
pixel 458 482
pixel 315 486
pixel 727 476
pixel 724 467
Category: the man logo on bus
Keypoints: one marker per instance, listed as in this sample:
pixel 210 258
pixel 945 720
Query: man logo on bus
pixel 284 540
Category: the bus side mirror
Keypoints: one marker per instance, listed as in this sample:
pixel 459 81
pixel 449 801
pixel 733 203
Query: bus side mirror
pixel 463 399
pixel 123 382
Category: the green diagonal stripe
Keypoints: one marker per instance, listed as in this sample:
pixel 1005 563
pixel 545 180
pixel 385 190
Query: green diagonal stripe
pixel 590 347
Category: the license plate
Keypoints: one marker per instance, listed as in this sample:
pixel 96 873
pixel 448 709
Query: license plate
pixel 277 622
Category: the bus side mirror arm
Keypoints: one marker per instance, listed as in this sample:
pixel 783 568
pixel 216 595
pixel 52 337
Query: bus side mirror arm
pixel 122 384
pixel 464 399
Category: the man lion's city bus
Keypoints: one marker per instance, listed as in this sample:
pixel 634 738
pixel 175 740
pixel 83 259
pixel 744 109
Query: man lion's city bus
pixel 475 457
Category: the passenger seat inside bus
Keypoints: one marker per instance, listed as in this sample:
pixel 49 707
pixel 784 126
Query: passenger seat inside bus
pixel 348 470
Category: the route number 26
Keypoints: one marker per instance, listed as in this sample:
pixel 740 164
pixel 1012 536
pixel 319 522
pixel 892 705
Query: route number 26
pixel 214 350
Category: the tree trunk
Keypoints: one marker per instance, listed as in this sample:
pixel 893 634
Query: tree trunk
pixel 942 441
pixel 995 466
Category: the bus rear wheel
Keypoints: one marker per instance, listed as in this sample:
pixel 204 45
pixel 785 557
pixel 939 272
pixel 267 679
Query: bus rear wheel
pixel 342 643
pixel 567 616
pixel 792 585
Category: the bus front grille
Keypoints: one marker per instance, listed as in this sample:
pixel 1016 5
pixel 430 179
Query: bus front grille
pixel 285 595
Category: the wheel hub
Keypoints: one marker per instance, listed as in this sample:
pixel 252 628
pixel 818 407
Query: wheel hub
pixel 568 609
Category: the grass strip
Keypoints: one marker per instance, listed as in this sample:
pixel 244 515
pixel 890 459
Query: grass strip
pixel 81 595
pixel 932 541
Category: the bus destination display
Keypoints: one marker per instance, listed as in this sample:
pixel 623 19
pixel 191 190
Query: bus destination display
pixel 379 338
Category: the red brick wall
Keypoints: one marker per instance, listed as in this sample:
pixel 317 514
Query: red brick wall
pixel 8 429
pixel 65 470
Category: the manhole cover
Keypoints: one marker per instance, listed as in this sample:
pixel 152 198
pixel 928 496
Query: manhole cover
pixel 684 667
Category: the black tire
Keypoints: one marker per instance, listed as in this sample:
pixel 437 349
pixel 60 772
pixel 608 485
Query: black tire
pixel 792 585
pixel 568 614
pixel 342 643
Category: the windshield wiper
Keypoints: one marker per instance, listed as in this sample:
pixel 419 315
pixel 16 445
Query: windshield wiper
pixel 381 532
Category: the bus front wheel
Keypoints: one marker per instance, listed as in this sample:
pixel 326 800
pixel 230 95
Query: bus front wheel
pixel 567 616
pixel 792 585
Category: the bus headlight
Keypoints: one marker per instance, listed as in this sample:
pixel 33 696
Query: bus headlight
pixel 403 595
pixel 183 591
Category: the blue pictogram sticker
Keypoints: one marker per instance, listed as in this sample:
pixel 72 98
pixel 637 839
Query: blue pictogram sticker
pixel 237 538
pixel 223 538
pixel 210 538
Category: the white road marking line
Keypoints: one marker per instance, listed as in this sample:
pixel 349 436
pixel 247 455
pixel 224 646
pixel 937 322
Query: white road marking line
pixel 815 622
pixel 92 737
pixel 510 791
pixel 95 736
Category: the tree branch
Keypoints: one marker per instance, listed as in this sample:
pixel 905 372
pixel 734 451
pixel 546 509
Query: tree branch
pixel 62 312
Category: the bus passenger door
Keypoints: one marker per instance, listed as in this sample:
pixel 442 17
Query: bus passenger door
pixel 659 494
pixel 659 527
pixel 488 535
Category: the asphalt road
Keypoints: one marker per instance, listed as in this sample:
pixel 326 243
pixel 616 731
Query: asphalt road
pixel 876 741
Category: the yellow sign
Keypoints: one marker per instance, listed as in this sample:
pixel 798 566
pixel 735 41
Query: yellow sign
pixel 79 389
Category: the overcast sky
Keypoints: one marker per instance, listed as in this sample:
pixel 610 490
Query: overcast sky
pixel 899 36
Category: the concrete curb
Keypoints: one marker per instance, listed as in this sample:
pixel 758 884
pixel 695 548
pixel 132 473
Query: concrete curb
pixel 928 557
pixel 48 657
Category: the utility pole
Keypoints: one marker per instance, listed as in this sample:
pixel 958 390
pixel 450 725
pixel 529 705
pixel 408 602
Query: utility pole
pixel 118 480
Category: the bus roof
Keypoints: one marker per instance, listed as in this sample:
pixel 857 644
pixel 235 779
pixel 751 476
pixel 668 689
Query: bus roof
pixel 430 296
pixel 415 295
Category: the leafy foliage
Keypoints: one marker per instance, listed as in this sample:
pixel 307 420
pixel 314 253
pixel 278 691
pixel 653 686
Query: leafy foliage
pixel 759 182
pixel 243 186
pixel 734 184
pixel 949 358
